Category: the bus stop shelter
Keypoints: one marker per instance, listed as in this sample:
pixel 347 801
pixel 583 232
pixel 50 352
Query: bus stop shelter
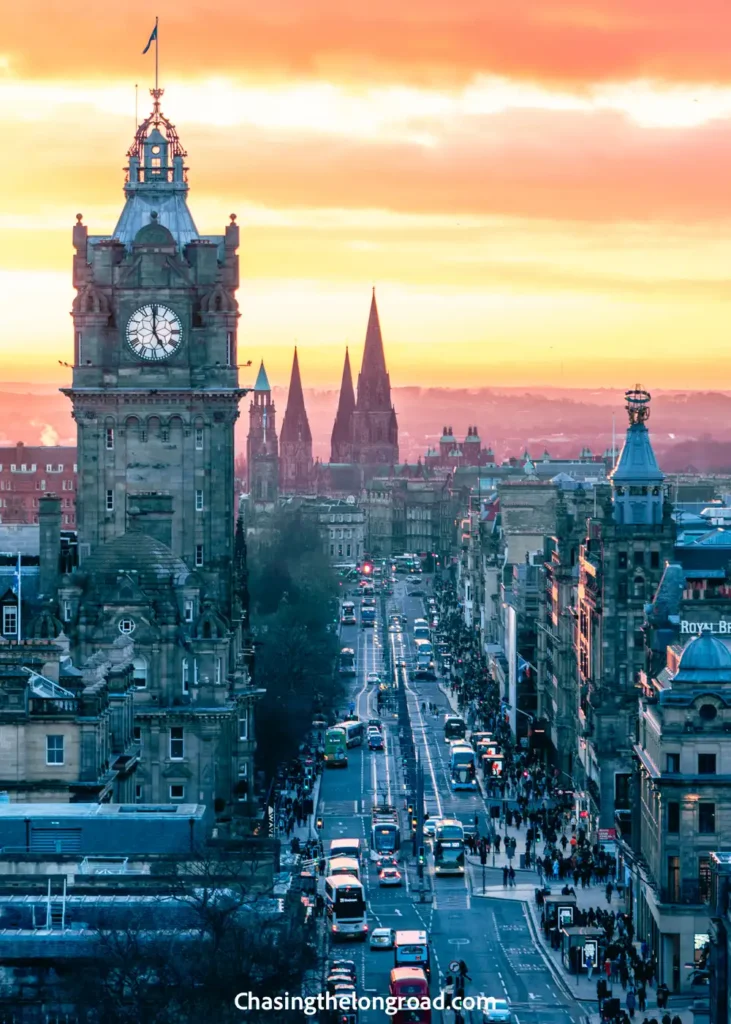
pixel 559 910
pixel 579 943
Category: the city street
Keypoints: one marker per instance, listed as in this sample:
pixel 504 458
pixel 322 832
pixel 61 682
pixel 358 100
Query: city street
pixel 493 936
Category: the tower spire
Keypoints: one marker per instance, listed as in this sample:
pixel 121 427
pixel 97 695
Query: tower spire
pixel 374 359
pixel 342 436
pixel 295 439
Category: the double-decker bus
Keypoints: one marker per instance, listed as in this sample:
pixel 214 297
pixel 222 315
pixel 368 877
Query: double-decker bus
pixel 411 949
pixel 347 613
pixel 346 907
pixel 336 755
pixel 344 866
pixel 346 848
pixel 462 766
pixel 454 728
pixel 346 666
pixel 409 985
pixel 449 847
pixel 424 668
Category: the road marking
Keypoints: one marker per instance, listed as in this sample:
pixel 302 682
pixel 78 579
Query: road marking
pixel 458 942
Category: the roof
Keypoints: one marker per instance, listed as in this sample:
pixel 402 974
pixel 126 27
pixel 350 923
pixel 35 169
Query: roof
pixel 637 462
pixel 172 212
pixel 136 812
pixel 706 659
pixel 374 358
pixel 341 433
pixel 262 381
pixel 295 425
pixel 152 561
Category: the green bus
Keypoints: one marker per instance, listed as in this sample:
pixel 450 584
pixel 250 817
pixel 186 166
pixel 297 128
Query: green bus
pixel 336 747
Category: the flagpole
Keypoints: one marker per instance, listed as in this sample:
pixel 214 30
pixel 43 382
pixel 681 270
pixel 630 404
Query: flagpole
pixel 136 117
pixel 157 34
pixel 20 600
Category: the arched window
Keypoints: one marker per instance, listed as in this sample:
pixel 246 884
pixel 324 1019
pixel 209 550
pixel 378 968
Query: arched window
pixel 139 673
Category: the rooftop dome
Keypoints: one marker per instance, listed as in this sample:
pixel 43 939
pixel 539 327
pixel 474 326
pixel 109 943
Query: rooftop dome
pixel 705 659
pixel 154 233
pixel 152 561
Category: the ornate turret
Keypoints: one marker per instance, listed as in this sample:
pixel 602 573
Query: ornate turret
pixel 637 479
pixel 341 447
pixel 295 439
pixel 156 180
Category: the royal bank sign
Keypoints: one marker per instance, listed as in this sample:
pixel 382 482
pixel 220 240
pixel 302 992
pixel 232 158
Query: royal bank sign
pixel 722 628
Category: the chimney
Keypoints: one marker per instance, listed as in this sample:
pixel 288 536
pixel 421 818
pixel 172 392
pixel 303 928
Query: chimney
pixel 151 513
pixel 49 519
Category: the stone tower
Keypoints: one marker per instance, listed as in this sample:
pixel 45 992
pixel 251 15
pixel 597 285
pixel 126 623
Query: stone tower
pixel 262 452
pixel 295 440
pixel 375 430
pixel 155 388
pixel 341 447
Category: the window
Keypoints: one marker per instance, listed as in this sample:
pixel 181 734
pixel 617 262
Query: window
pixel 126 625
pixel 242 787
pixel 138 794
pixel 229 347
pixel 199 555
pixel 10 620
pixel 674 879
pixel 674 817
pixel 219 671
pixel 622 791
pixel 143 434
pixel 639 557
pixel 110 501
pixel 66 610
pixel 139 673
pixel 177 792
pixel 199 439
pixel 110 439
pixel 185 675
pixel 199 501
pixel 244 726
pixel 654 559
pixel 177 748
pixel 54 749
pixel 706 764
pixel 706 818
pixel 137 734
pixel 49 468
pixel 164 433
pixel 704 879
pixel 672 764
pixel 188 609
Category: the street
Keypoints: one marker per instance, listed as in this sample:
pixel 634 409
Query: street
pixel 492 935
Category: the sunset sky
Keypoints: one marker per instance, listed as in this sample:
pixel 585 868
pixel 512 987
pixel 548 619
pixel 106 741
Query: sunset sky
pixel 540 189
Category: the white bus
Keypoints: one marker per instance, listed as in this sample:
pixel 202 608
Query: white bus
pixel 346 907
pixel 346 848
pixel 353 733
pixel 343 866
pixel 347 614
pixel 421 629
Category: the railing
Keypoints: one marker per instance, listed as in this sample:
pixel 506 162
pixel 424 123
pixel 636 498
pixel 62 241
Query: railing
pixel 53 706
pixel 689 892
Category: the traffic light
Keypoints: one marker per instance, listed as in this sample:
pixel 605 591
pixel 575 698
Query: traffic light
pixel 422 857
pixel 414 823
pixel 319 824
pixel 411 810
pixel 367 568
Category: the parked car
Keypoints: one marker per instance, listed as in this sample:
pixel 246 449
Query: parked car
pixel 382 938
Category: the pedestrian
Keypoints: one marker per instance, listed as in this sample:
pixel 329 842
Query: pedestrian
pixel 505 877
pixel 608 968
pixel 676 1020
pixel 511 875
pixel 609 890
pixel 589 966
pixel 631 1002
pixel 555 868
pixel 642 998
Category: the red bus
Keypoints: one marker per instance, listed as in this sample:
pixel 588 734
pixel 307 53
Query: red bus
pixel 410 983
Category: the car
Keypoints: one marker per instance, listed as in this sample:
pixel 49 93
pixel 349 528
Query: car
pixel 401 663
pixel 417 592
pixel 319 722
pixel 496 1011
pixel 386 862
pixel 393 628
pixel 382 938
pixel 375 740
pixel 375 723
pixel 389 876
pixel 430 828
pixel 373 678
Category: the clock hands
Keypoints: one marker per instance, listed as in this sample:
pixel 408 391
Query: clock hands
pixel 154 324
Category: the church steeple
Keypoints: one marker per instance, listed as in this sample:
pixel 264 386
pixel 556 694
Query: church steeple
pixel 341 447
pixel 262 449
pixel 295 439
pixel 375 430
pixel 374 386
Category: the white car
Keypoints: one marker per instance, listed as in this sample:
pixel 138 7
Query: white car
pixel 382 938
pixel 389 876
pixel 373 678
pixel 430 828
pixel 496 1011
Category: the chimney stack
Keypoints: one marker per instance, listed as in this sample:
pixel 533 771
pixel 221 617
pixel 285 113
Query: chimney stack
pixel 49 519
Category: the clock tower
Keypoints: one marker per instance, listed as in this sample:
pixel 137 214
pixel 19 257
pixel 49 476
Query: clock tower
pixel 155 389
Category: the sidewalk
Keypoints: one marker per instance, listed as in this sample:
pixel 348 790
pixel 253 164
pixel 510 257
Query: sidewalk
pixel 581 989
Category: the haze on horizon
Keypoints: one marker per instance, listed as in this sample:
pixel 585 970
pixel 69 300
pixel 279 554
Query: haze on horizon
pixel 538 191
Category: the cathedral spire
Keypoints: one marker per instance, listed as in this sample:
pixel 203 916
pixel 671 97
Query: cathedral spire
pixel 374 359
pixel 295 426
pixel 342 435
pixel 262 381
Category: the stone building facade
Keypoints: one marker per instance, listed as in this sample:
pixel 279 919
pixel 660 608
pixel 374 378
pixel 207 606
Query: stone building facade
pixel 27 472
pixel 682 810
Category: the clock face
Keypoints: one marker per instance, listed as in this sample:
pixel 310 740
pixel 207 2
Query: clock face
pixel 154 332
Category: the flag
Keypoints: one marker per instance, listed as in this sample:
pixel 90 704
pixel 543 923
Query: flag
pixel 151 40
